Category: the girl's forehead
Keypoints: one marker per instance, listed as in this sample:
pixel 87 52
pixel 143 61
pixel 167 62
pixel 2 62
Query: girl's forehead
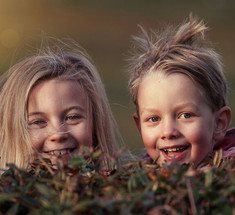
pixel 53 96
pixel 54 88
pixel 58 83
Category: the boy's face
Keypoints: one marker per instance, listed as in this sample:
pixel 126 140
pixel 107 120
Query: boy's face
pixel 58 118
pixel 174 119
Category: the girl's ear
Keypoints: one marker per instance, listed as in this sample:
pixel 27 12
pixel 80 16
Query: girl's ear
pixel 223 119
pixel 137 121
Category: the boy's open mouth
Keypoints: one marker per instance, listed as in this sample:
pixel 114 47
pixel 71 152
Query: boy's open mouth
pixel 178 149
pixel 175 152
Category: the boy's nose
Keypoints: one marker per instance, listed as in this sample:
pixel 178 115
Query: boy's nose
pixel 169 129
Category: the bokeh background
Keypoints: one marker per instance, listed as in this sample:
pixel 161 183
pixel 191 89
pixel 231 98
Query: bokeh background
pixel 104 28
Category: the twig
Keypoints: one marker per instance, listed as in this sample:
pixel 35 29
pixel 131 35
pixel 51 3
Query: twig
pixel 191 198
pixel 47 166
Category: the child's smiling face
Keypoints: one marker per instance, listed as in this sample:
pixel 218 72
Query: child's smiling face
pixel 174 119
pixel 59 119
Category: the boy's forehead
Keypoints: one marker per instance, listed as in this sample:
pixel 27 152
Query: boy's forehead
pixel 161 74
pixel 183 81
pixel 157 73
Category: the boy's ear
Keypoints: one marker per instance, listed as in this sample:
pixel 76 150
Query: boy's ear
pixel 223 119
pixel 137 121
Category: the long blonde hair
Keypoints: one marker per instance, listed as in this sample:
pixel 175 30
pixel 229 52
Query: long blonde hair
pixel 62 62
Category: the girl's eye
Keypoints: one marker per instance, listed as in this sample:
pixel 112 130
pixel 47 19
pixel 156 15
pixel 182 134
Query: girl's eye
pixel 186 115
pixel 37 123
pixel 154 119
pixel 73 118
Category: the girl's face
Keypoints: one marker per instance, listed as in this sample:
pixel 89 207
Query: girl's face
pixel 174 119
pixel 59 120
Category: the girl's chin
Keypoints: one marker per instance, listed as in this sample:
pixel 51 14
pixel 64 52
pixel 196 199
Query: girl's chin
pixel 55 158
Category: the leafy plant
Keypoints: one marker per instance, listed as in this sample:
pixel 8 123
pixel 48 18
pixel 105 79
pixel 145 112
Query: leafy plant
pixel 80 187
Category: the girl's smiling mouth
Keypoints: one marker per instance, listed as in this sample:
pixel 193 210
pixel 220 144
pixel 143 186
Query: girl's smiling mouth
pixel 176 152
pixel 60 152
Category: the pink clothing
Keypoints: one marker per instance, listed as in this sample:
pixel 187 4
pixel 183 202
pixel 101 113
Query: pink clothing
pixel 227 144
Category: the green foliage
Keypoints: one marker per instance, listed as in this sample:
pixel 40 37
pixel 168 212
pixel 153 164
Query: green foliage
pixel 80 187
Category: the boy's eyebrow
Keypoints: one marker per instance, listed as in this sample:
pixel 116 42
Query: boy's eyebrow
pixel 178 106
pixel 147 109
pixel 65 110
pixel 191 104
pixel 183 104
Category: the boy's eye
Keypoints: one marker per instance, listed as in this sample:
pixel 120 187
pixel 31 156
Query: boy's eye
pixel 154 119
pixel 186 115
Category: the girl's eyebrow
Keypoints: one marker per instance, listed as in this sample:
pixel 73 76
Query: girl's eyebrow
pixel 79 108
pixel 76 107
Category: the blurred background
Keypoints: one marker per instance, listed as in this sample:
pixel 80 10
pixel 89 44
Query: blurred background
pixel 104 28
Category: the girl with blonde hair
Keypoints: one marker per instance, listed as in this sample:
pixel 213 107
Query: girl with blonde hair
pixel 54 104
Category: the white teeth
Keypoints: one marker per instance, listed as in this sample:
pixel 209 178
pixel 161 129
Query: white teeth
pixel 174 149
pixel 59 152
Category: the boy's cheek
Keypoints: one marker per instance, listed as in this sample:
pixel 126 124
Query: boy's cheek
pixel 137 121
pixel 147 138
pixel 200 152
pixel 153 153
pixel 150 144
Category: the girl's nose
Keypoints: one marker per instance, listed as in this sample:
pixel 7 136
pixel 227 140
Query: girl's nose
pixel 58 134
pixel 169 129
pixel 58 137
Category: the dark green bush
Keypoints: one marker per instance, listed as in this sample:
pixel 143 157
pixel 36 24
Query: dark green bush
pixel 79 187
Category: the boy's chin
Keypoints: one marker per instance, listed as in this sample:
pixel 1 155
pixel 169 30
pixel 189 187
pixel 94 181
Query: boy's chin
pixel 194 164
pixel 181 158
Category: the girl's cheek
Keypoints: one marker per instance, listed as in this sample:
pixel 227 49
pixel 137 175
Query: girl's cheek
pixel 36 140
